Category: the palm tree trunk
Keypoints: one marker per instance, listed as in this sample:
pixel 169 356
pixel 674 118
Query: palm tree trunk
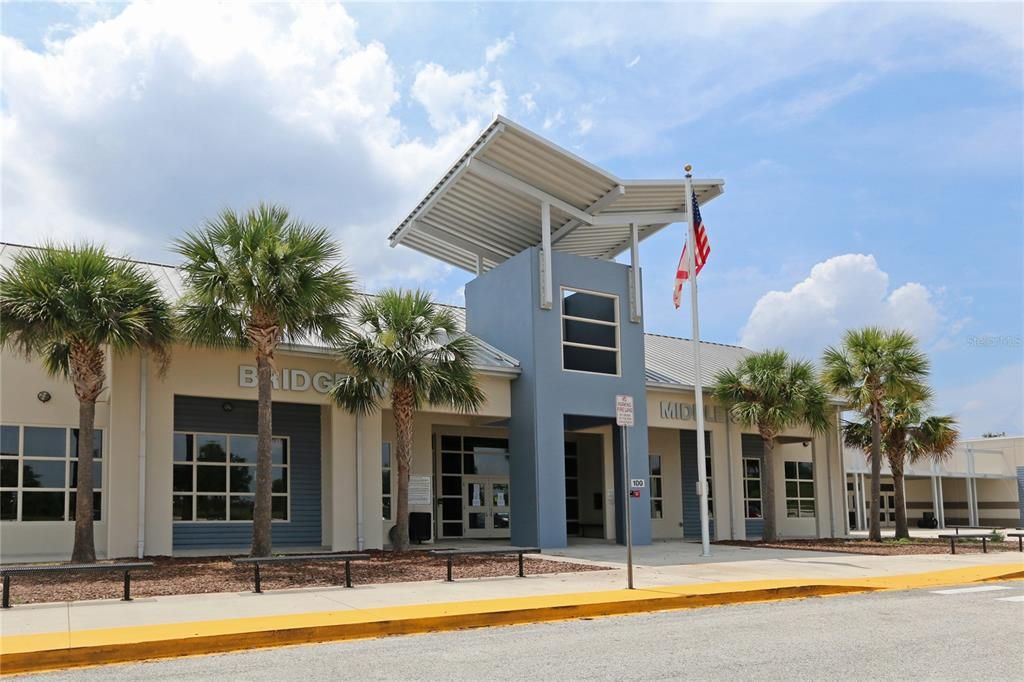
pixel 261 516
pixel 874 513
pixel 402 406
pixel 770 533
pixel 84 551
pixel 902 528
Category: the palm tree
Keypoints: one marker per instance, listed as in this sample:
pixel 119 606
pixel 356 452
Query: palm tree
pixel 412 349
pixel 872 366
pixel 253 281
pixel 772 392
pixel 908 436
pixel 69 305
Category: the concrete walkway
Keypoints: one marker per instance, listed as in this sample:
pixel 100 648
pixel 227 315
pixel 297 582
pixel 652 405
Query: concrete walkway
pixel 654 567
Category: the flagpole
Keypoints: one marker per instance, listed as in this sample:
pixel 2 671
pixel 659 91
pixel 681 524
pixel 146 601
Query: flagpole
pixel 698 389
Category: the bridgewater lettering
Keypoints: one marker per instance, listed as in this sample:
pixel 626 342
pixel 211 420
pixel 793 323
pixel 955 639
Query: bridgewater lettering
pixel 291 379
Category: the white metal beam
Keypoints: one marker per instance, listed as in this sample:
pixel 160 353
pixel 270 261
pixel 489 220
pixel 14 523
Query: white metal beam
pixel 609 198
pixel 640 218
pixel 500 177
pixel 459 242
pixel 546 294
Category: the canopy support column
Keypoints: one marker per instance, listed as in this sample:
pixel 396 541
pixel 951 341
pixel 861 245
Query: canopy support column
pixel 546 295
pixel 636 310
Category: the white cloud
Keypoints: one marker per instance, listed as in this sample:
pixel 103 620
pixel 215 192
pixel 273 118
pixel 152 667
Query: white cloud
pixel 454 99
pixel 527 102
pixel 499 49
pixel 993 403
pixel 842 292
pixel 553 120
pixel 584 126
pixel 633 62
pixel 132 129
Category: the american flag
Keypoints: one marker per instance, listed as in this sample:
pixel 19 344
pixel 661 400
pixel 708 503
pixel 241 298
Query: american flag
pixel 703 251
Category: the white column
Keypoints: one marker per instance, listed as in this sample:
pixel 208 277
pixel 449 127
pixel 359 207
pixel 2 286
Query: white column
pixel 935 498
pixel 859 489
pixel 479 265
pixel 970 503
pixel 974 502
pixel 942 502
pixel 545 276
pixel 635 299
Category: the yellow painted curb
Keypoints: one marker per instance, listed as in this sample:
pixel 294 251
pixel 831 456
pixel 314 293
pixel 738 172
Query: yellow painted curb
pixel 60 650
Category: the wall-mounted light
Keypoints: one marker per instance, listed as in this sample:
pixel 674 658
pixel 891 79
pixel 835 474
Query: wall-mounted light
pixel 227 406
pixel 43 396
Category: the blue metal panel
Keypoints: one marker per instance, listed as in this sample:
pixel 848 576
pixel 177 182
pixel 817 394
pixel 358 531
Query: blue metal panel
pixel 301 424
pixel 691 501
pixel 753 448
pixel 502 308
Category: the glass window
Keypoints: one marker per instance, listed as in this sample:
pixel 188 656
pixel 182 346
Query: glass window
pixel 45 442
pixel 461 455
pixel 39 472
pixel 215 477
pixel 800 490
pixel 590 332
pixel 752 488
pixel 385 480
pixel 657 501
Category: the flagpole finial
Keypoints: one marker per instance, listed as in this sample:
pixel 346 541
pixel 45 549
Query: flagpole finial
pixel 687 168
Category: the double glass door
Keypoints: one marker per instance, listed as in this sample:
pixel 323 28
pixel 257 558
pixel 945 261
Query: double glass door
pixel 485 508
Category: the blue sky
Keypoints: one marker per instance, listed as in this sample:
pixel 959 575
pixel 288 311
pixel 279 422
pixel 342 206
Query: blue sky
pixel 872 153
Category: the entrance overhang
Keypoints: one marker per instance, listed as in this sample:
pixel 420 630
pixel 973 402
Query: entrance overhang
pixel 512 190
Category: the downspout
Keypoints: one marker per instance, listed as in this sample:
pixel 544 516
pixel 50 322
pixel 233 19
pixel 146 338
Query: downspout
pixel 360 540
pixel 143 380
pixel 831 483
pixel 732 483
pixel 828 468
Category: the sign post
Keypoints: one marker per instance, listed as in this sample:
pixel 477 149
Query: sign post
pixel 624 419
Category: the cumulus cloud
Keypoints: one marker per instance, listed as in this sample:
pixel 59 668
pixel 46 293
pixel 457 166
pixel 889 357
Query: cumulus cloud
pixel 842 292
pixel 134 128
pixel 499 49
pixel 452 100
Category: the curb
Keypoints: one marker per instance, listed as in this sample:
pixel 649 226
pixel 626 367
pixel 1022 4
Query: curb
pixel 63 650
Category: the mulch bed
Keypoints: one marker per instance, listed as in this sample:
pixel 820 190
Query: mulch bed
pixel 884 548
pixel 200 575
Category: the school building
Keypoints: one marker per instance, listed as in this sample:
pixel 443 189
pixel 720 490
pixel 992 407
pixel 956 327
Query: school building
pixel 560 325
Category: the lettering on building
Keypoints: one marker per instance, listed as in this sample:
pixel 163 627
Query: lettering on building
pixel 291 379
pixel 687 412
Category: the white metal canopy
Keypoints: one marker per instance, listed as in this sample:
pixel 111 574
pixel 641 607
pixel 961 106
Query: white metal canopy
pixel 488 206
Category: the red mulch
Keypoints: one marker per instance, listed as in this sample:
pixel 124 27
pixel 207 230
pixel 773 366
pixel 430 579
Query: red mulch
pixel 200 575
pixel 884 548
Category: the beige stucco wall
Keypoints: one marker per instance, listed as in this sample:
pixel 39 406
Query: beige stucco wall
pixel 203 373
pixel 20 381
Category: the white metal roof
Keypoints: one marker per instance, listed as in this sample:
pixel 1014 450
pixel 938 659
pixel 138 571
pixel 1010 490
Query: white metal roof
pixel 488 203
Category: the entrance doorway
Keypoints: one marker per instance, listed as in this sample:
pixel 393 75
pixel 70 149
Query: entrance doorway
pixel 474 499
pixel 485 511
pixel 584 485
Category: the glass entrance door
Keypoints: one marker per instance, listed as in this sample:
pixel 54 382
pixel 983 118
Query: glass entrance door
pixel 485 511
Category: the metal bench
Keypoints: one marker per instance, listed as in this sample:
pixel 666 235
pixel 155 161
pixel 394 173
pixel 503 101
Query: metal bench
pixel 1020 540
pixel 298 559
pixel 953 537
pixel 450 554
pixel 126 568
pixel 956 529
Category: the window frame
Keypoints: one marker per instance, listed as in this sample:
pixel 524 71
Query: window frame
pixel 661 485
pixel 800 499
pixel 227 464
pixel 390 469
pixel 760 483
pixel 68 459
pixel 562 317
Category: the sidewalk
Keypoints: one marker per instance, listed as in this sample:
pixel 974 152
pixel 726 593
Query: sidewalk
pixel 41 636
